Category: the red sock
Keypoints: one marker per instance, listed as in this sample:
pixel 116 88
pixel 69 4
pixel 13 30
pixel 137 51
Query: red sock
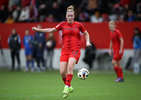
pixel 117 71
pixel 64 80
pixel 121 73
pixel 68 79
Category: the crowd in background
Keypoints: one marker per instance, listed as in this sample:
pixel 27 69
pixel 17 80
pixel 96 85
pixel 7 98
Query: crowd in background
pixel 54 10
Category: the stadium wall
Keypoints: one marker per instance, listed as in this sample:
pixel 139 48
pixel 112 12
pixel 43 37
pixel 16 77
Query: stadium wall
pixel 99 33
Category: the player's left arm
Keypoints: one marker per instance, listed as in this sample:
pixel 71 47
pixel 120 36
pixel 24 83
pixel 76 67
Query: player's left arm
pixel 121 45
pixel 87 38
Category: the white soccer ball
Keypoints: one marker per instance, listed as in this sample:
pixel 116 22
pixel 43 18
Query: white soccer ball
pixel 83 73
pixel 49 43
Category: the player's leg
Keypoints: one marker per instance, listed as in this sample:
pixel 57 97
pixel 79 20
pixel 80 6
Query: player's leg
pixel 13 60
pixel 63 64
pixel 27 63
pixel 63 70
pixel 32 62
pixel 67 88
pixel 116 68
pixel 43 64
pixel 38 64
pixel 71 63
pixel 121 72
pixel 30 59
pixel 18 59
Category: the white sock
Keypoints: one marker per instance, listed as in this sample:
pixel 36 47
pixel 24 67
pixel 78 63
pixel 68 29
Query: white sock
pixel 66 86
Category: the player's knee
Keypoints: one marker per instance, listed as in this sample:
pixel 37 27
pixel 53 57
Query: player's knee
pixel 63 73
pixel 113 63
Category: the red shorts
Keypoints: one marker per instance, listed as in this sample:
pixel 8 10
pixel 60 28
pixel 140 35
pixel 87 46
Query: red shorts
pixel 66 54
pixel 117 56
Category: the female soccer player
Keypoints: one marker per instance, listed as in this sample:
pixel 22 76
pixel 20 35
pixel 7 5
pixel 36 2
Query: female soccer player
pixel 70 53
pixel 117 43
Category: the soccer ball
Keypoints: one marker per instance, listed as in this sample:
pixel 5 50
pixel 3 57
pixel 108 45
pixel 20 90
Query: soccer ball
pixel 83 73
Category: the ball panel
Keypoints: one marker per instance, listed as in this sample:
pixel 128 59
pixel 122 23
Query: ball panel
pixel 83 73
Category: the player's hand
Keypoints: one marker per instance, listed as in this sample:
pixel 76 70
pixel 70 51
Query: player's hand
pixel 40 45
pixel 120 52
pixel 34 28
pixel 88 44
pixel 30 46
pixel 110 52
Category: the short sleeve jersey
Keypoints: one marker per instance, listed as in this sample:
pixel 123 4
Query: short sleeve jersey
pixel 115 39
pixel 71 34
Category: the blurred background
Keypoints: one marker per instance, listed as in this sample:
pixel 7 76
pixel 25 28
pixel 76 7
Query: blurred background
pixel 93 14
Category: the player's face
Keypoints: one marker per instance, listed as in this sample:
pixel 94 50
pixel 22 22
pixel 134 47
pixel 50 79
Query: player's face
pixel 70 17
pixel 112 27
pixel 26 32
pixel 13 31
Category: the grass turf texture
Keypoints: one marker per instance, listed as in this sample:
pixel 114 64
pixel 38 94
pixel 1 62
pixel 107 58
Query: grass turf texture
pixel 100 85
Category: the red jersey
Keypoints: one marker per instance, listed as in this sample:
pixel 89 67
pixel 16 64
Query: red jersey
pixel 71 34
pixel 115 39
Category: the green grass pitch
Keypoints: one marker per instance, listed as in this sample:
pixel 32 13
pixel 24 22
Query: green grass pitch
pixel 48 85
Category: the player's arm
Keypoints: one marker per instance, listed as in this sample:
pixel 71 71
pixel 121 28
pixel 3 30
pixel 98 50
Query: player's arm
pixel 46 30
pixel 87 38
pixel 110 48
pixel 121 45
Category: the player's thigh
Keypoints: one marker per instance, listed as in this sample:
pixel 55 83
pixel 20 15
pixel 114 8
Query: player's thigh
pixel 63 68
pixel 71 63
pixel 75 54
pixel 114 62
pixel 117 56
pixel 30 57
pixel 26 56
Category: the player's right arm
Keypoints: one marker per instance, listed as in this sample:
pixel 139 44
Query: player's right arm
pixel 46 30
pixel 110 49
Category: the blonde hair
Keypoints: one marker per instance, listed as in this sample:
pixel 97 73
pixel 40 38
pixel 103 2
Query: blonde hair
pixel 70 9
pixel 112 23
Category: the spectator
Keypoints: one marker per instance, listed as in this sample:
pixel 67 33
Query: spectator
pixel 92 6
pixel 4 3
pixel 131 17
pixel 24 15
pixel 14 42
pixel 50 18
pixel 125 12
pixel 136 46
pixel 33 14
pixel 90 55
pixel 120 18
pixel 3 13
pixel 16 13
pixel 28 50
pixel 105 17
pixel 138 18
pixel 10 10
pixel 9 20
pixel 55 11
pixel 138 5
pixel 83 16
pixel 42 12
pixel 40 38
pixel 50 45
pixel 96 17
